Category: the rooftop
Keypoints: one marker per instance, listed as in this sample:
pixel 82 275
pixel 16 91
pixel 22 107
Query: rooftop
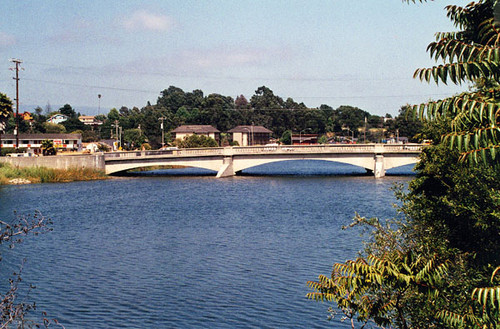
pixel 254 129
pixel 195 129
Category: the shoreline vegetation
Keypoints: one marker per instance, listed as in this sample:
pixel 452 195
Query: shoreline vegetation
pixel 10 175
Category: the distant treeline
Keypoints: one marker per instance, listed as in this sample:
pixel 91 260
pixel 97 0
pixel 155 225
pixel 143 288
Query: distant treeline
pixel 177 107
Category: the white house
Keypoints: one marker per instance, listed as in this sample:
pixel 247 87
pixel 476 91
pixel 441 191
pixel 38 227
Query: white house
pixel 57 118
pixel 187 130
pixel 62 142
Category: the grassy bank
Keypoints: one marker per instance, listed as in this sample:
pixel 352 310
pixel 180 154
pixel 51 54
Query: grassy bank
pixel 47 175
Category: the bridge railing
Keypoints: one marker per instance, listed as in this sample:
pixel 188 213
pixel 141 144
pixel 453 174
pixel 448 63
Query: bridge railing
pixel 337 148
pixel 229 151
pixel 160 153
pixel 330 148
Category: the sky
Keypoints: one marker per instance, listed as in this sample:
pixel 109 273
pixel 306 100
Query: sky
pixel 361 53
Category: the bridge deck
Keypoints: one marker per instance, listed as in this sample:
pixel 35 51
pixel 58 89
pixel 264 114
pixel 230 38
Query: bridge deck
pixel 281 149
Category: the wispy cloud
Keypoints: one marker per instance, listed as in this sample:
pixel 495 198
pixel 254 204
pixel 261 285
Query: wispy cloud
pixel 145 20
pixel 79 31
pixel 6 39
pixel 216 62
pixel 221 57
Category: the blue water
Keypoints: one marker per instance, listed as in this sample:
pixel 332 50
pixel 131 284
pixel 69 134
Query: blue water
pixel 181 251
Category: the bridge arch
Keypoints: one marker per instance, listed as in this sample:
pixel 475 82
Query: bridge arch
pixel 114 168
pixel 242 163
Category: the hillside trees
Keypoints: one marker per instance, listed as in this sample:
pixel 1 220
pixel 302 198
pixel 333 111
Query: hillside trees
pixel 179 107
pixel 15 308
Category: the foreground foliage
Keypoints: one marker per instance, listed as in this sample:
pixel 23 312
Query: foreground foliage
pixel 14 313
pixel 431 267
pixel 469 55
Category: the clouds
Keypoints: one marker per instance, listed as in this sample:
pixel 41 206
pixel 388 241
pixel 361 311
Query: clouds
pixel 148 21
pixel 6 40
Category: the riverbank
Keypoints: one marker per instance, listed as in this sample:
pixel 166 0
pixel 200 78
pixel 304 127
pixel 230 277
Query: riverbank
pixel 10 175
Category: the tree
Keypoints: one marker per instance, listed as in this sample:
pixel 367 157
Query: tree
pixel 133 138
pixel 113 115
pixel 53 128
pixel 409 126
pixel 450 214
pixel 73 124
pixel 470 55
pixel 194 141
pixel 172 98
pixel 48 147
pixel 286 138
pixel 264 98
pixel 352 117
pixel 5 112
pixel 241 102
pixel 68 111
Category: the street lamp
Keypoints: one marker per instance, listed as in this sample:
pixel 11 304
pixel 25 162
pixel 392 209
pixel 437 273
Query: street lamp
pixel 300 134
pixel 248 136
pixel 162 132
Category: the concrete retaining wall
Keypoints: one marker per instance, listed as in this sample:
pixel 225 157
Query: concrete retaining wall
pixel 95 161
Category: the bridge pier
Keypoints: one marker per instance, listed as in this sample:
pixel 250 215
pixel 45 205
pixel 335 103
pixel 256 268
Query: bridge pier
pixel 227 169
pixel 379 170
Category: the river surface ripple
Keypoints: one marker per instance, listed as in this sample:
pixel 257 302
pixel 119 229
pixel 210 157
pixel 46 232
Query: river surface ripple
pixel 191 252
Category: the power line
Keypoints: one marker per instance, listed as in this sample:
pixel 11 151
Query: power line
pixel 90 86
pixel 306 97
pixel 222 77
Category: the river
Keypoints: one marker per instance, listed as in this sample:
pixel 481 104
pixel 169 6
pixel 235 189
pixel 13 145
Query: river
pixel 180 251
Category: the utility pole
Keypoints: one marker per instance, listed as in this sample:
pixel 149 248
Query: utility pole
pixel 364 132
pixel 162 132
pixel 17 62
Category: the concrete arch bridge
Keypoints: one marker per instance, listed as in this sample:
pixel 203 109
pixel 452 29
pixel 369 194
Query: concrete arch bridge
pixel 228 161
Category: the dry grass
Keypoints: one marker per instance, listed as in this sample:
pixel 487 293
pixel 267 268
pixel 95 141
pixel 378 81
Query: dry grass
pixel 47 175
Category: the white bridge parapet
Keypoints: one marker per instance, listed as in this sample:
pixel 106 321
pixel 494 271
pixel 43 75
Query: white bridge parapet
pixel 229 160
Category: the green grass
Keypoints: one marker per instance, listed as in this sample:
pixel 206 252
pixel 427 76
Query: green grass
pixel 47 175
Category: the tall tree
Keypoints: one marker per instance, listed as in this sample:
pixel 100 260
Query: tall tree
pixel 469 55
pixel 68 110
pixel 264 98
pixel 5 112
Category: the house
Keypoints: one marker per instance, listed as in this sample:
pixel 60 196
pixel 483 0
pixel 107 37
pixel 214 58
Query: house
pixel 188 130
pixel 26 116
pixel 62 142
pixel 89 120
pixel 304 139
pixel 57 118
pixel 250 135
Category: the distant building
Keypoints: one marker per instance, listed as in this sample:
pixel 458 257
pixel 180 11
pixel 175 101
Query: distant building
pixel 62 142
pixel 188 130
pixel 26 116
pixel 89 120
pixel 57 118
pixel 304 139
pixel 250 135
